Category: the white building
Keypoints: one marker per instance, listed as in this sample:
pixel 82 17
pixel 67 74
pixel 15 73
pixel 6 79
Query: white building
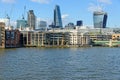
pixel 78 38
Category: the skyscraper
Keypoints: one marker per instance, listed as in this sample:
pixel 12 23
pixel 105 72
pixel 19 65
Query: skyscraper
pixel 99 19
pixel 31 19
pixel 57 17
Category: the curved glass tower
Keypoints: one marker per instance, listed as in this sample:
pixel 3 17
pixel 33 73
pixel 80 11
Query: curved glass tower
pixel 57 17
pixel 99 19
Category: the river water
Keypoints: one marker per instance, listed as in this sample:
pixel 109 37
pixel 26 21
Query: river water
pixel 60 64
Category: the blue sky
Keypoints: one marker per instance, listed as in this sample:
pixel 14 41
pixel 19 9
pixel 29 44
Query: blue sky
pixel 71 10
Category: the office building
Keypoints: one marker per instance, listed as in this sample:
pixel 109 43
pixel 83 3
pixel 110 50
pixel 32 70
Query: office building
pixel 79 23
pixel 70 26
pixel 99 19
pixel 57 17
pixel 21 23
pixel 31 20
pixel 42 25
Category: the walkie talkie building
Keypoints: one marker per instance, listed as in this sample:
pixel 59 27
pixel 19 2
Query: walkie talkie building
pixel 100 19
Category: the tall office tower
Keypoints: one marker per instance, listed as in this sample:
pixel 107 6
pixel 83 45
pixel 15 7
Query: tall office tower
pixel 57 17
pixel 80 23
pixel 31 20
pixel 99 19
pixel 105 20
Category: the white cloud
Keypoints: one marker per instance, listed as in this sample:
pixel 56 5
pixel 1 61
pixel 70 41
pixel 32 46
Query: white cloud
pixel 105 1
pixel 8 1
pixel 42 1
pixel 64 16
pixel 92 7
pixel 99 6
pixel 65 19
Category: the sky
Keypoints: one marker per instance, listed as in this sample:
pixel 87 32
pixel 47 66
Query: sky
pixel 71 10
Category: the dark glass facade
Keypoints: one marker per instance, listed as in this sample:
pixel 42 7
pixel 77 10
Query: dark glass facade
pixel 100 19
pixel 105 20
pixel 31 19
pixel 57 17
pixel 80 23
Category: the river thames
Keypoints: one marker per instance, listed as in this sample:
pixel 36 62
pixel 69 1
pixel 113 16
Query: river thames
pixel 97 63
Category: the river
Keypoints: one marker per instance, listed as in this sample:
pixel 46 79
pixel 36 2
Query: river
pixel 96 63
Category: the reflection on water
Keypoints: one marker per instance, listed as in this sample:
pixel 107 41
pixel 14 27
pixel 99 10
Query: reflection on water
pixel 60 64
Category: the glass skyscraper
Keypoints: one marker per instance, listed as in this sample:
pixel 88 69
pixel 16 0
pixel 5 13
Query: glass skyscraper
pixel 99 19
pixel 21 23
pixel 31 19
pixel 57 17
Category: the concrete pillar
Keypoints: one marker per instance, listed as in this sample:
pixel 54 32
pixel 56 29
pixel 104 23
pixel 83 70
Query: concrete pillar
pixel 42 39
pixel 27 38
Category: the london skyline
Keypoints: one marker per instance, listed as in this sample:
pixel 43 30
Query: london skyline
pixel 70 11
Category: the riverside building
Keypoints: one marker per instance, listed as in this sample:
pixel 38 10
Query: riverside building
pixel 2 35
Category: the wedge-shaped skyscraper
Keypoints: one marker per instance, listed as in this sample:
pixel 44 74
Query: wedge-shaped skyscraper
pixel 100 19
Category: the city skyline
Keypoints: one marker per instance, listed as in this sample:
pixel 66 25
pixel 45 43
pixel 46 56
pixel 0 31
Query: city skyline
pixel 71 12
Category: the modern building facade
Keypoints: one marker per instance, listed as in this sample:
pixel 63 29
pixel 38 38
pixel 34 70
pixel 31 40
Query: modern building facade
pixel 79 23
pixel 21 24
pixel 105 20
pixel 99 19
pixel 2 35
pixel 31 20
pixel 57 17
